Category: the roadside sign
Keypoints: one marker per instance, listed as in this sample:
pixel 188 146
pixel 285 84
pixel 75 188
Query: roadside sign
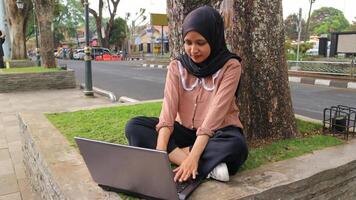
pixel 346 43
pixel 159 19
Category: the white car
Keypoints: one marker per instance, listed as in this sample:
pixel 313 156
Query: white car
pixel 79 54
pixel 312 52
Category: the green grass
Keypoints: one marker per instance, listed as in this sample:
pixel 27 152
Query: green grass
pixel 29 70
pixel 107 124
pixel 305 127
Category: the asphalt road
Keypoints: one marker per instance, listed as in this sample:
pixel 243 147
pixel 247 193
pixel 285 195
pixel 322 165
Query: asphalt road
pixel 125 78
pixel 134 81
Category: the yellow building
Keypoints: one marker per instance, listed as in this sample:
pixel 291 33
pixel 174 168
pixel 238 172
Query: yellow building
pixel 150 40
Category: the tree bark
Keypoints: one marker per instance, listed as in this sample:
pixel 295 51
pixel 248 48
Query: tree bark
pixel 44 14
pixel 98 21
pixel 255 32
pixel 257 35
pixel 17 22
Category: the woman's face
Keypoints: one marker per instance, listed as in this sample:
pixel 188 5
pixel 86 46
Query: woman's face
pixel 196 46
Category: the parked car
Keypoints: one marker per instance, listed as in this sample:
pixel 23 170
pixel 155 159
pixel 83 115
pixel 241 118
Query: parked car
pixel 312 52
pixel 99 51
pixel 79 54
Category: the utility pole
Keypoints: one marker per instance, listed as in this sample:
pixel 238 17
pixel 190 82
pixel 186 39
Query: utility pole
pixel 38 58
pixel 299 29
pixel 88 89
pixel 306 35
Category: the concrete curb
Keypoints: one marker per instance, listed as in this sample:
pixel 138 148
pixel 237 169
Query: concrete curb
pixel 125 99
pixel 323 82
pixel 296 79
pixel 154 66
pixel 308 119
pixel 102 92
pixel 130 59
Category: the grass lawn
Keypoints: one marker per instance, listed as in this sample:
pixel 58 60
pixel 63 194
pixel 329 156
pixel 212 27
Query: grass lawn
pixel 107 124
pixel 29 70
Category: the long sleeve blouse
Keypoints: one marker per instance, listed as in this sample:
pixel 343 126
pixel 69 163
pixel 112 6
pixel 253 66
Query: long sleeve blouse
pixel 205 104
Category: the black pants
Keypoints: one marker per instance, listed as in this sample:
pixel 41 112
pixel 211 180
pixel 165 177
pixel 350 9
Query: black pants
pixel 227 144
pixel 2 65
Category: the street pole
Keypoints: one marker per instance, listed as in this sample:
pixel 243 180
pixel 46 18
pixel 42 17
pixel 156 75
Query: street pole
pixel 88 90
pixel 76 34
pixel 162 41
pixel 299 29
pixel 38 60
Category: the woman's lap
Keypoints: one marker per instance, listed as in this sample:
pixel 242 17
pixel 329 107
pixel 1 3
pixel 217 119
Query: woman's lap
pixel 227 145
pixel 141 131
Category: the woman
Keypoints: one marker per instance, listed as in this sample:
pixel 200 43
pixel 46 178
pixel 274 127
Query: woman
pixel 199 124
pixel 2 40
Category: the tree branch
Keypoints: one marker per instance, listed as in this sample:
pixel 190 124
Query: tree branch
pixel 109 6
pixel 93 12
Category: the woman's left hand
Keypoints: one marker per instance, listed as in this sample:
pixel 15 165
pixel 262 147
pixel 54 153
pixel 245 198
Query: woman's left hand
pixel 189 167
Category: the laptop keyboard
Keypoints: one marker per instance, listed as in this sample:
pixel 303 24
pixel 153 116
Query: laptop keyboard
pixel 182 185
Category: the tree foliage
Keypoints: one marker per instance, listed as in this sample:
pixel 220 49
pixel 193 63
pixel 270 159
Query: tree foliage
pixel 353 26
pixel 326 20
pixel 111 6
pixel 290 26
pixel 118 32
pixel 68 16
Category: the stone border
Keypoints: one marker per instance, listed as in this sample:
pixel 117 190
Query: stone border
pixel 19 63
pixel 13 82
pixel 57 171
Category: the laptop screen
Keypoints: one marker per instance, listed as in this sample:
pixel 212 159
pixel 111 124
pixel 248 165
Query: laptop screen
pixel 133 169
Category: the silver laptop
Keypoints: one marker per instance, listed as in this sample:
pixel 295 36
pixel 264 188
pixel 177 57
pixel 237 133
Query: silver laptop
pixel 131 170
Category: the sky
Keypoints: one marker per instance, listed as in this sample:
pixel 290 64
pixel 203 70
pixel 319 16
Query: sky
pixel 348 7
pixel 289 7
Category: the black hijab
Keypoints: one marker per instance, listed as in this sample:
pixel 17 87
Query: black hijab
pixel 209 23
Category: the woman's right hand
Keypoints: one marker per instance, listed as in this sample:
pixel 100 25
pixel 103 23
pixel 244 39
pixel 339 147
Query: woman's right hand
pixel 163 138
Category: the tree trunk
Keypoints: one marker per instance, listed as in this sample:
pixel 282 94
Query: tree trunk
pixel 44 14
pixel 98 31
pixel 17 22
pixel 255 32
pixel 257 35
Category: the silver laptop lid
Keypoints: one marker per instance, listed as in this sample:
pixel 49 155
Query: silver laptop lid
pixel 134 169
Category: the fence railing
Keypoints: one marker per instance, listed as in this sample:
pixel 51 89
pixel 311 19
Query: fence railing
pixel 339 68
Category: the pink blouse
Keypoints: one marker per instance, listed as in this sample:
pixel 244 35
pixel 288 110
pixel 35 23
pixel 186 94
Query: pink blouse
pixel 205 104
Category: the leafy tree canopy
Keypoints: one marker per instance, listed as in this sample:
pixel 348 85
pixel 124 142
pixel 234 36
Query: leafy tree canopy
pixel 119 32
pixel 353 26
pixel 326 20
pixel 68 16
pixel 290 26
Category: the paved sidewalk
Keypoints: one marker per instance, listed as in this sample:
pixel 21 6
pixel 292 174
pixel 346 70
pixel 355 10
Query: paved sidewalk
pixel 13 182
